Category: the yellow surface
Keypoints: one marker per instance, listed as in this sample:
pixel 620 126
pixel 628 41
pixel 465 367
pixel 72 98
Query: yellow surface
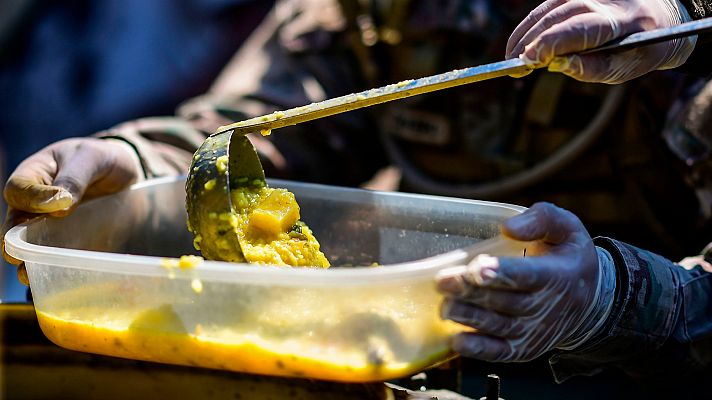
pixel 184 262
pixel 160 335
pixel 277 213
pixel 349 334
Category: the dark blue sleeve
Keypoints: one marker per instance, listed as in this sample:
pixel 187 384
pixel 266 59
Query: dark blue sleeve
pixel 659 325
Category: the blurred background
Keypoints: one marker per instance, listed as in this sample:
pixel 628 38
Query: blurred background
pixel 77 67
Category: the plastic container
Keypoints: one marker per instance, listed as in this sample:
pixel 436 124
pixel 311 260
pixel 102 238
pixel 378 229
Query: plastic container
pixel 106 280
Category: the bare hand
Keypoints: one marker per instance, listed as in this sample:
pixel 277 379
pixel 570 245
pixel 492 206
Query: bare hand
pixel 55 179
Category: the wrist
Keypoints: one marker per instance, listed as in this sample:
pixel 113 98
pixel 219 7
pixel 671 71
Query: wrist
pixel 131 153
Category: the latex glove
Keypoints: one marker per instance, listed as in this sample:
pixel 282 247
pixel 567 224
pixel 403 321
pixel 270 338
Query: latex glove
pixel 558 27
pixel 54 180
pixel 524 307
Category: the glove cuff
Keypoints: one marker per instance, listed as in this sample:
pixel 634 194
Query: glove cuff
pixel 597 313
pixel 680 49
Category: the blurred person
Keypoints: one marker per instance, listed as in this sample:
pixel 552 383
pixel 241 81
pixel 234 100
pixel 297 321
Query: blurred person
pixel 72 68
pixel 466 137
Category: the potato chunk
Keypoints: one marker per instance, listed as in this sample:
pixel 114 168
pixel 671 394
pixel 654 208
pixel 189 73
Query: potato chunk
pixel 277 213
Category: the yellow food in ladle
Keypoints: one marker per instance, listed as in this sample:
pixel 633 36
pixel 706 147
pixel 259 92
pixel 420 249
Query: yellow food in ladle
pixel 266 222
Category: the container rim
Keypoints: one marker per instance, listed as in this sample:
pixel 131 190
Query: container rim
pixel 17 246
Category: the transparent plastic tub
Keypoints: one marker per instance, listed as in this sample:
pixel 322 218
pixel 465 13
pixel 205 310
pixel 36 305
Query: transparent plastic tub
pixel 106 280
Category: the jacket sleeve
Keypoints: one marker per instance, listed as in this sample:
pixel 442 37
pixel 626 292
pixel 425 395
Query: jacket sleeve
pixel 298 55
pixel 165 145
pixel 699 62
pixel 660 323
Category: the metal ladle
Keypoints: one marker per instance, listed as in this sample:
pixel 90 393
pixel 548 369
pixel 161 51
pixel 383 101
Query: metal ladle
pixel 227 160
pixel 222 163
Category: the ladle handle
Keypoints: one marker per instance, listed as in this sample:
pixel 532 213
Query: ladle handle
pixel 414 87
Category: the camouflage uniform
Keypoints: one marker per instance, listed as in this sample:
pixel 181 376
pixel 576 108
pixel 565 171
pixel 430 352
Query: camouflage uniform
pixel 622 178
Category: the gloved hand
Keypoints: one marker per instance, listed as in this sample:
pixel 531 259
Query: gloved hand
pixel 556 297
pixel 54 180
pixel 558 27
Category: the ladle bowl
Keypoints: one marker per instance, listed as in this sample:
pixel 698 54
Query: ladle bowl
pixel 223 162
